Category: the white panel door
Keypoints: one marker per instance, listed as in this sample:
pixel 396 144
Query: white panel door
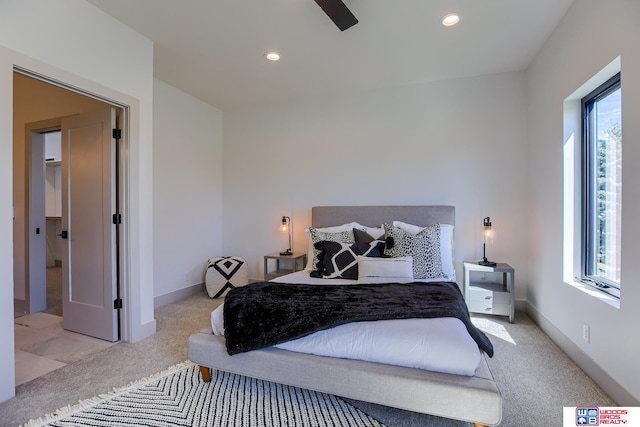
pixel 89 279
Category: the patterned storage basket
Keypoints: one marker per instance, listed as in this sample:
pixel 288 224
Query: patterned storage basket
pixel 224 273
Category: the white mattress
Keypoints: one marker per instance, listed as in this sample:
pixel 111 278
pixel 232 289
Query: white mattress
pixel 440 344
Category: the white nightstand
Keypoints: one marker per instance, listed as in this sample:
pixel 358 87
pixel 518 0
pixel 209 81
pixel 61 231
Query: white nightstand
pixel 284 264
pixel 489 290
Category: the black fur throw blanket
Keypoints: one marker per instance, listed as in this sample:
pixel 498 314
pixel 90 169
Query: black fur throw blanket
pixel 265 314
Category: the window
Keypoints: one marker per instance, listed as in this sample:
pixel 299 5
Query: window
pixel 602 186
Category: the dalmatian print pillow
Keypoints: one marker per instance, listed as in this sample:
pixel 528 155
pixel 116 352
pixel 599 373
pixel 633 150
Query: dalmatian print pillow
pixel 423 247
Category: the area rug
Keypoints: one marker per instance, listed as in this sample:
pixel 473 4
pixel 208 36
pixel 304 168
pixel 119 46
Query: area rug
pixel 178 397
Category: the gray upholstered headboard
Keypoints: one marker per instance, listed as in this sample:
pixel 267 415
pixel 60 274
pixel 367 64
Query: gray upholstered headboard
pixel 373 216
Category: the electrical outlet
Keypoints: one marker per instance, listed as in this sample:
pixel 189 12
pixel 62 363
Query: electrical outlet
pixel 585 333
pixel 186 277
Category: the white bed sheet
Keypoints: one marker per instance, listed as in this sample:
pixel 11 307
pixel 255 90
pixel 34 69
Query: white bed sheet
pixel 440 344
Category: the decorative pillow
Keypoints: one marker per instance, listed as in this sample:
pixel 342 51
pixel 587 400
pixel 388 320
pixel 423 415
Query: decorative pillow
pixel 423 247
pixel 375 232
pixel 362 236
pixel 446 245
pixel 340 260
pixel 319 236
pixel 334 229
pixel 401 267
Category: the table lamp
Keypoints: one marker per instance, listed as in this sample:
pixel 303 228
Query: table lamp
pixel 286 228
pixel 487 236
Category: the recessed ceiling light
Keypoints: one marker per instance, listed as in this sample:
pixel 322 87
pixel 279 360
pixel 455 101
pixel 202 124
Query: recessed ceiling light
pixel 450 19
pixel 272 56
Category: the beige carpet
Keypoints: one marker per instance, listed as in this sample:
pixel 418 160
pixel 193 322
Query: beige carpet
pixel 536 378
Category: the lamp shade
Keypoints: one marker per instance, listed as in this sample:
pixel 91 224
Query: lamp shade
pixel 487 230
pixel 487 237
pixel 286 228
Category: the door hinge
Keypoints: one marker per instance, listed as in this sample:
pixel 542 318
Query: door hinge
pixel 117 303
pixel 117 133
pixel 117 219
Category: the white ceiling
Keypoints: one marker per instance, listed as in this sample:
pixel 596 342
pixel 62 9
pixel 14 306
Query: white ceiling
pixel 213 49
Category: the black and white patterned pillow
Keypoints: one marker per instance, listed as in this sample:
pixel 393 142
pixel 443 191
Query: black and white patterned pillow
pixel 319 236
pixel 340 260
pixel 423 247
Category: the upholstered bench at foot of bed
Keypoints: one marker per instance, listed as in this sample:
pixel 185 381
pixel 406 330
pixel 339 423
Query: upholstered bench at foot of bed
pixel 473 399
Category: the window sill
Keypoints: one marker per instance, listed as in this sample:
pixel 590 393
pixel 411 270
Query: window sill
pixel 598 294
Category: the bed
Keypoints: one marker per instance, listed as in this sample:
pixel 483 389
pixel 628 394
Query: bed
pixel 473 398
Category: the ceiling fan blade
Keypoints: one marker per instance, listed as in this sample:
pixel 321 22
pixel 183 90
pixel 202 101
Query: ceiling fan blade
pixel 338 12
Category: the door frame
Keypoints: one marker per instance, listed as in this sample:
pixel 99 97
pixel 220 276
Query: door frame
pixel 123 233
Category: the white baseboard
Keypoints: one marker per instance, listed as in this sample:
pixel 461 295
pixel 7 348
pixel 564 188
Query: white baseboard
pixel 178 295
pixel 621 396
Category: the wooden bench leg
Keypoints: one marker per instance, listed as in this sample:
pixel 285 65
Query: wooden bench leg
pixel 478 425
pixel 206 374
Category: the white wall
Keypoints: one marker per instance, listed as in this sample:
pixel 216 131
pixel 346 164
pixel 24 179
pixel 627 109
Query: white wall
pixel 187 185
pixel 458 142
pixel 590 36
pixel 74 42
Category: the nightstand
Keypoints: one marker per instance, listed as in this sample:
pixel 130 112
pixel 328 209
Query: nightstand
pixel 284 264
pixel 489 290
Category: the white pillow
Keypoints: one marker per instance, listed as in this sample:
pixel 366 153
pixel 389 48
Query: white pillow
pixel 400 267
pixel 334 229
pixel 409 228
pixel 446 245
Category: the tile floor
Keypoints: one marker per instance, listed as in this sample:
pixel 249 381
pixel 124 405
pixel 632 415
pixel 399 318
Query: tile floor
pixel 42 346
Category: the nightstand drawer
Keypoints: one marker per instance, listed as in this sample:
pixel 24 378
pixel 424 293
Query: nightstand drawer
pixel 482 294
pixel 489 307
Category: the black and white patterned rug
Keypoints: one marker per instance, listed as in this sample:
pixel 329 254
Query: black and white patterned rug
pixel 178 397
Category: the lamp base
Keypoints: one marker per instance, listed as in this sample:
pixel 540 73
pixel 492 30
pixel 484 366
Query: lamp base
pixel 487 263
pixel 287 252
